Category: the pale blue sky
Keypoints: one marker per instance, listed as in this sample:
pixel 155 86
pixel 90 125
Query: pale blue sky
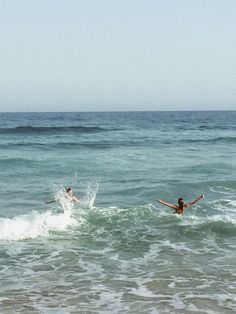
pixel 93 55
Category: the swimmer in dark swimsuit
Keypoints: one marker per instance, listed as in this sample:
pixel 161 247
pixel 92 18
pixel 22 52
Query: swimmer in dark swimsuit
pixel 180 208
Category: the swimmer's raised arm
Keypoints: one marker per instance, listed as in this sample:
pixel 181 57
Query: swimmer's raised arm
pixel 168 204
pixel 195 201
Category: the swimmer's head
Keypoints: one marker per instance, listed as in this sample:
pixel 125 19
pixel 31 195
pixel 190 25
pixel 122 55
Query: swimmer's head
pixel 181 202
pixel 68 190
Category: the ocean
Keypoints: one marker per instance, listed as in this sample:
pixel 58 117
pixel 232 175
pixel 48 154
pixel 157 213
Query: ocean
pixel 119 250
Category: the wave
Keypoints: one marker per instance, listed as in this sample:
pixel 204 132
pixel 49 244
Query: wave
pixel 214 127
pixel 108 143
pixel 101 144
pixel 146 223
pixel 34 224
pixel 152 223
pixel 19 161
pixel 54 129
pixel 215 140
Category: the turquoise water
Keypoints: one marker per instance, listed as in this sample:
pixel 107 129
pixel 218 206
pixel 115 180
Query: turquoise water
pixel 119 251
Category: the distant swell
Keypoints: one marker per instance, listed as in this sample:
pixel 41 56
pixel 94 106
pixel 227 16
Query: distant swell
pixel 52 130
pixel 215 140
pixel 105 144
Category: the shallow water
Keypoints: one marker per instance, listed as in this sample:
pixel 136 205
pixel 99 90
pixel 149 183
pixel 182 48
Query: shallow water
pixel 121 251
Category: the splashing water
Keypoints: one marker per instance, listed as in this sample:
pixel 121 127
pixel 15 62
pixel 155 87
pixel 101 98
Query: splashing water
pixel 63 200
pixel 89 198
pixel 86 201
pixel 35 224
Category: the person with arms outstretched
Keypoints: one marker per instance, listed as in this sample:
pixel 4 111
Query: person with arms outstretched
pixel 180 208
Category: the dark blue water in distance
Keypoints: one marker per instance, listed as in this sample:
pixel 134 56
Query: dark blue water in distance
pixel 118 251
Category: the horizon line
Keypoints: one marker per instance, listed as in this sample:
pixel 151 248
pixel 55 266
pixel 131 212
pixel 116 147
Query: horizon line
pixel 120 111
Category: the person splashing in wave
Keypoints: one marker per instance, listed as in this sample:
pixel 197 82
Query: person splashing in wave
pixel 71 196
pixel 180 208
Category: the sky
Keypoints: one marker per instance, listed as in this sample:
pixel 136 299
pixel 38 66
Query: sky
pixel 113 55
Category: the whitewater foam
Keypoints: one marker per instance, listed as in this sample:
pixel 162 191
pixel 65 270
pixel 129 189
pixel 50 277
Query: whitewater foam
pixel 34 225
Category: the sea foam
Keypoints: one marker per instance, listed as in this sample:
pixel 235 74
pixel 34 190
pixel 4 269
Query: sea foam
pixel 35 224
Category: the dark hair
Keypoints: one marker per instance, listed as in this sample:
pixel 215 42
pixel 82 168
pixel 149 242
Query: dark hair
pixel 68 190
pixel 181 202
